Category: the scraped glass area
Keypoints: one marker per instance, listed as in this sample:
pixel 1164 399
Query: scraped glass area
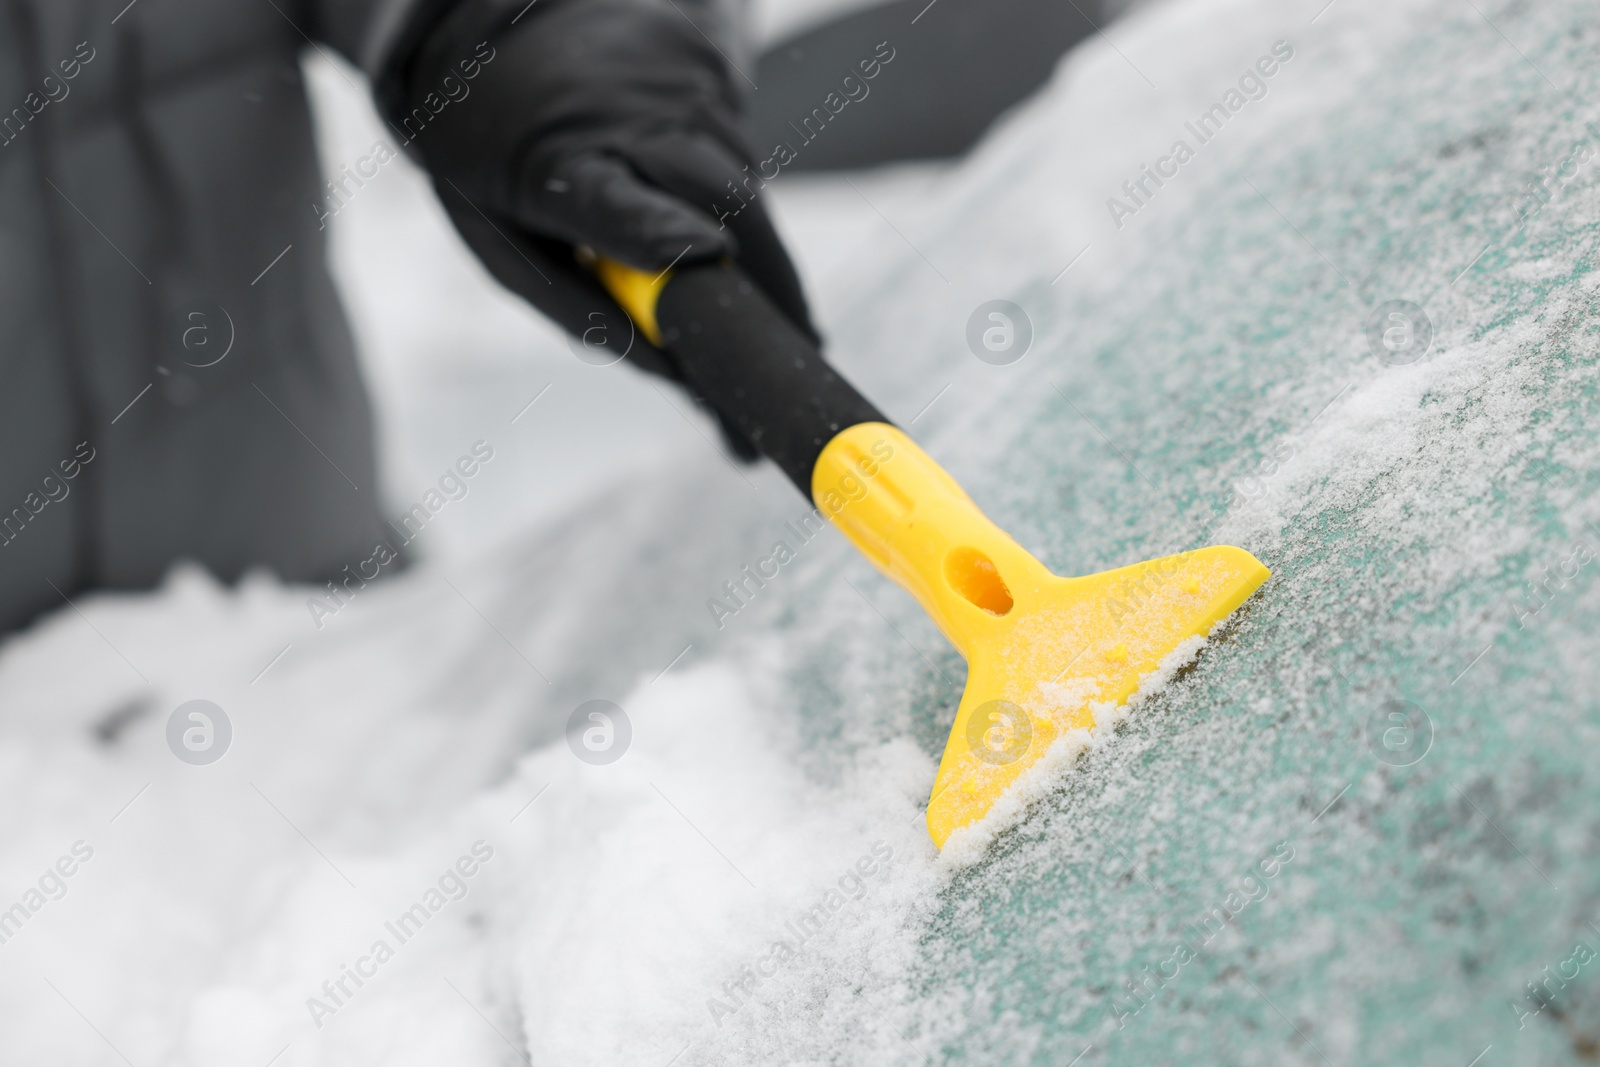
pixel 1362 823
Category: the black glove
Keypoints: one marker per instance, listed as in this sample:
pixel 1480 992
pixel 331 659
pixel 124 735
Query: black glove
pixel 605 125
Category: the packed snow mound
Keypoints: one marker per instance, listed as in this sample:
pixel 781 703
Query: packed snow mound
pixel 1350 327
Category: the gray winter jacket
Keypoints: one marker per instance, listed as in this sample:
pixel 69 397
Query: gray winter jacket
pixel 177 379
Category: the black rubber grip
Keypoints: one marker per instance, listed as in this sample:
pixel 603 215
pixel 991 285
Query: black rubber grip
pixel 749 362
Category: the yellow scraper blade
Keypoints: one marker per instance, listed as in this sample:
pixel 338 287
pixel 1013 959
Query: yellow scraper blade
pixel 1042 651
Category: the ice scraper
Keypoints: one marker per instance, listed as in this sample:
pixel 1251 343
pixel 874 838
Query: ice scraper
pixel 1044 653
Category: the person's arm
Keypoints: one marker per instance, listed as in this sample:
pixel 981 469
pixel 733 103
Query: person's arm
pixel 562 128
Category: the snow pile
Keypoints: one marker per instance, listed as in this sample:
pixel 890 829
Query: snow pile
pixel 1355 828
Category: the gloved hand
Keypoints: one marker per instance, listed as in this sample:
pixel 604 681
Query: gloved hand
pixel 606 125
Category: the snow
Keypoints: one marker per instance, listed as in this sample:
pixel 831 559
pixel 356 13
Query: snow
pixel 1201 374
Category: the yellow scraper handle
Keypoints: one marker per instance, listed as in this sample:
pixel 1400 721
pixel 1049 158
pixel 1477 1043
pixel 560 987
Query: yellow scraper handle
pixel 637 291
pixel 908 516
pixel 1043 651
pixel 872 500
